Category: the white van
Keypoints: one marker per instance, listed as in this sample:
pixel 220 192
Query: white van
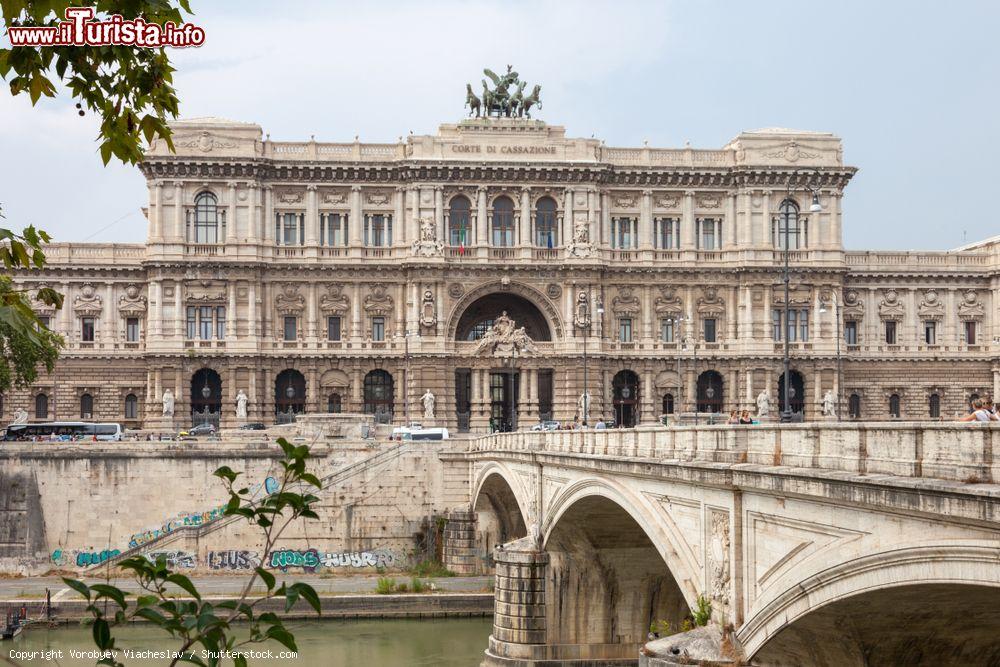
pixel 425 434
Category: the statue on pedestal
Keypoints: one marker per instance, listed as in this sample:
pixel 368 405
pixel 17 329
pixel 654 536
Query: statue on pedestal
pixel 241 405
pixel 584 405
pixel 428 402
pixel 168 403
pixel 763 404
pixel 829 404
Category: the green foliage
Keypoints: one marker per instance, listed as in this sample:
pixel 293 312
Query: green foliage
pixel 196 622
pixel 430 569
pixel 703 612
pixel 130 89
pixel 385 586
pixel 418 586
pixel 687 625
pixel 25 344
pixel 401 587
pixel 660 628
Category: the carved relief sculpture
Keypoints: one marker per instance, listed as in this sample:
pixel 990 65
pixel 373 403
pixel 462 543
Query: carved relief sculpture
pixel 970 308
pixel 428 310
pixel 88 302
pixel 504 340
pixel 581 316
pixel 427 245
pixel 890 307
pixel 290 302
pixel 718 560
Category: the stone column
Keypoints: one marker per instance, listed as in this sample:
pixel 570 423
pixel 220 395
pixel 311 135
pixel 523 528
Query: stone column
pixel 356 313
pixel 459 548
pixel 729 223
pixel 482 223
pixel 605 225
pixel 646 220
pixel 231 236
pixel 765 226
pixel 179 231
pixel 519 602
pixel 252 308
pixel 253 212
pixel 179 314
pixel 524 228
pixel 267 225
pixel 252 394
pixel 355 222
pixel 312 216
pixel 439 212
pixel 750 394
pixel 311 332
pixel 399 218
pixel 231 311
pixel 108 333
pixel 687 222
pixel 154 327
pixel 156 212
pixel 591 216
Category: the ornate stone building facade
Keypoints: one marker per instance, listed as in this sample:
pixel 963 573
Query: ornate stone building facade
pixel 359 277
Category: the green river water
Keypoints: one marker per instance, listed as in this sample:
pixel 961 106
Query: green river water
pixel 447 642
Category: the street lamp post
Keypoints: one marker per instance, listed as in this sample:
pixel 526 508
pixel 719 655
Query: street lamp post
pixel 406 374
pixel 586 335
pixel 840 371
pixel 787 205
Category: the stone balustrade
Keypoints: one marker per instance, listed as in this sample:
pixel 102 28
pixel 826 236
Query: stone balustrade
pixel 948 451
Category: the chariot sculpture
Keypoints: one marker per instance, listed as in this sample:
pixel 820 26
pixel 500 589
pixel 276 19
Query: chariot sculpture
pixel 506 99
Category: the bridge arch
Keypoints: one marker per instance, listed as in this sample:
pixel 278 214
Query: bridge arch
pixel 500 505
pixel 922 603
pixel 612 571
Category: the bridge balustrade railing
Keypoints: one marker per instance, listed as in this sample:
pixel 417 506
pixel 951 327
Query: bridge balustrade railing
pixel 950 451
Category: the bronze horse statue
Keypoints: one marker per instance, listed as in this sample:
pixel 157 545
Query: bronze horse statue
pixel 472 101
pixel 530 101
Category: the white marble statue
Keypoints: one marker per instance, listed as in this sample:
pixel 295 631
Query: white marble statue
pixel 241 405
pixel 20 417
pixel 584 404
pixel 829 404
pixel 428 402
pixel 168 403
pixel 763 404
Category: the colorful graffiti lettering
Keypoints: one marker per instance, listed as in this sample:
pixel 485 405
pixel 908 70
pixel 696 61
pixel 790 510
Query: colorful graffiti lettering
pixel 174 559
pixel 233 560
pixel 308 560
pixel 378 558
pixel 88 558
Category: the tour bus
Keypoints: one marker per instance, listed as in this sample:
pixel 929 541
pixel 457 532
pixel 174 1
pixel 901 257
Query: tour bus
pixel 64 431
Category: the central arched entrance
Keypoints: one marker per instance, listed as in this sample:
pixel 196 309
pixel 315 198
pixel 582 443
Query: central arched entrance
pixel 501 400
pixel 797 396
pixel 625 389
pixel 206 397
pixel 289 395
pixel 710 397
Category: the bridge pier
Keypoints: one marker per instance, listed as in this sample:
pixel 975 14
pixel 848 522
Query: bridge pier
pixel 519 605
pixel 459 550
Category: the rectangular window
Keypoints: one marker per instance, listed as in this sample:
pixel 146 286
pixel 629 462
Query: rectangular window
pixel 930 333
pixel 625 329
pixel 890 332
pixel 289 229
pixel 220 322
pixel 667 330
pixel 708 233
pixel 709 329
pixel 622 236
pixel 132 329
pixel 332 232
pixel 87 329
pixel 792 322
pixel 205 322
pixel 970 332
pixel 666 236
pixel 291 326
pixel 851 332
pixel 333 327
pixel 378 329
pixel 776 324
pixel 192 313
pixel 804 325
pixel 45 321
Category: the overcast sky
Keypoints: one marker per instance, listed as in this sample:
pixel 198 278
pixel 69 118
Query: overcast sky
pixel 911 87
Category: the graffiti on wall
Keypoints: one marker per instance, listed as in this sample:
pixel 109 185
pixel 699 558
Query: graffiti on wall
pixel 82 557
pixel 174 559
pixel 309 560
pixel 233 559
pixel 185 519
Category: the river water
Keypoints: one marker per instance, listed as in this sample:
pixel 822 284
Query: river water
pixel 448 642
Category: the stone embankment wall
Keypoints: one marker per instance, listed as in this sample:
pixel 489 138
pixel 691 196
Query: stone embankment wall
pixel 74 506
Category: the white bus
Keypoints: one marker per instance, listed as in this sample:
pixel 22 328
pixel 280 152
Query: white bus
pixel 64 431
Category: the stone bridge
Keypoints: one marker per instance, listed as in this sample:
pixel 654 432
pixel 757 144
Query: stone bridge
pixel 832 544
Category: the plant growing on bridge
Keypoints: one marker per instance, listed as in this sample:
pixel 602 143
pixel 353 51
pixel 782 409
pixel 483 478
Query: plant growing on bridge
pixel 702 613
pixel 197 624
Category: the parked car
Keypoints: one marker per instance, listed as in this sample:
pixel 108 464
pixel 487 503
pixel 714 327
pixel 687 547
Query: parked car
pixel 547 425
pixel 200 429
pixel 253 426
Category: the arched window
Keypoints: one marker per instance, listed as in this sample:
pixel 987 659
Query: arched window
pixel 334 404
pixel 289 395
pixel 710 398
pixel 625 398
pixel 378 395
pixel 545 223
pixel 86 407
pixel 854 406
pixel 131 407
pixel 797 397
pixel 206 218
pixel 798 237
pixel 894 406
pixel 934 406
pixel 41 406
pixel 459 221
pixel 502 223
pixel 668 404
